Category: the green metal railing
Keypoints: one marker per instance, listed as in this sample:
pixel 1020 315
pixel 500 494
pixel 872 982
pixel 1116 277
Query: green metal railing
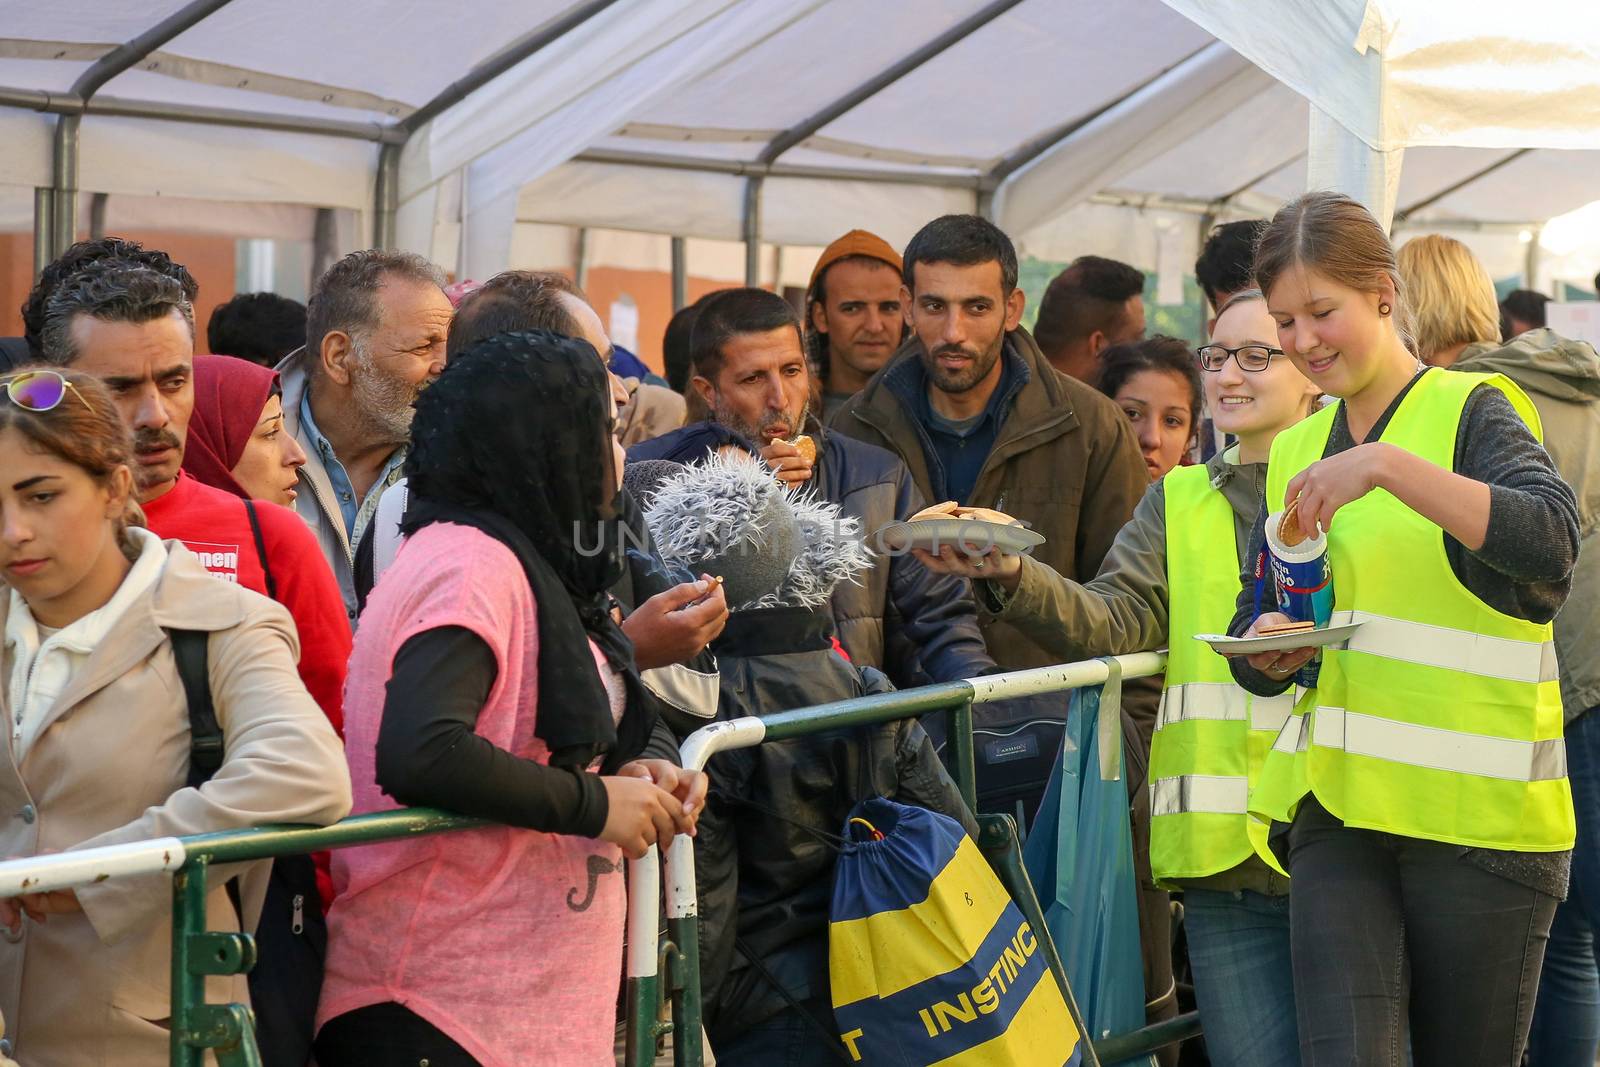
pixel 663 976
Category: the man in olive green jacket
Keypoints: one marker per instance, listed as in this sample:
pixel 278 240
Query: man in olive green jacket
pixel 985 420
pixel 979 416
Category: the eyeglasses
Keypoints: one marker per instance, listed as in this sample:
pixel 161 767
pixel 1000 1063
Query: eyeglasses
pixel 1250 357
pixel 40 390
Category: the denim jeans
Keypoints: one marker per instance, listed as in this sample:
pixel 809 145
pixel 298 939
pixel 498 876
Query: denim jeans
pixel 1398 940
pixel 1243 981
pixel 786 1039
pixel 1566 1022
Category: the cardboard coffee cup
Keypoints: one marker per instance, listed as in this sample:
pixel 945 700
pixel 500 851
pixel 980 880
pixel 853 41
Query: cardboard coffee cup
pixel 1304 579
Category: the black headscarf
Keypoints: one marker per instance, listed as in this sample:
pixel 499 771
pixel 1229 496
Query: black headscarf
pixel 514 439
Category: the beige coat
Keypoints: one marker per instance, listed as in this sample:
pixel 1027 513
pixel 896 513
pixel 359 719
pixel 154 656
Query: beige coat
pixel 109 766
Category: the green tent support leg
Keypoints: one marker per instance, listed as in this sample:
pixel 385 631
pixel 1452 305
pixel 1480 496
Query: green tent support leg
pixel 683 967
pixel 644 1020
pixel 997 838
pixel 958 724
pixel 196 953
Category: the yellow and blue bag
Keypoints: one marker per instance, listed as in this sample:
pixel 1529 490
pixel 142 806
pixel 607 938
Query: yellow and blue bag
pixel 929 960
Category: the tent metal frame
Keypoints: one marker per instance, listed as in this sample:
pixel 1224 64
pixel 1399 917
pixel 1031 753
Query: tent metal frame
pixel 56 210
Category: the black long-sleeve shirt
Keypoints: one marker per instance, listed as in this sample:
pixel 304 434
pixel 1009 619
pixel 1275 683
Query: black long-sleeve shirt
pixel 429 754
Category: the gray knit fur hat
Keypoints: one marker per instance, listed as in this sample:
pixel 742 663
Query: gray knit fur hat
pixel 729 517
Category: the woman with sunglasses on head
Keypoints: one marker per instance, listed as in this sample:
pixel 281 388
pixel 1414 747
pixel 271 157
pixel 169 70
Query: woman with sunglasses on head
pixel 491 677
pixel 98 729
pixel 1419 792
pixel 1174 572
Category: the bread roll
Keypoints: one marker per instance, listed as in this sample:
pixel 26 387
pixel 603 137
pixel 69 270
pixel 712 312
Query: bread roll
pixel 989 515
pixel 946 510
pixel 806 447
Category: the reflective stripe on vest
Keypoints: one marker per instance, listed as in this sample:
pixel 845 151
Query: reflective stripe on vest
pixel 1454 650
pixel 1225 702
pixel 1295 735
pixel 1199 793
pixel 1439 749
pixel 1441 717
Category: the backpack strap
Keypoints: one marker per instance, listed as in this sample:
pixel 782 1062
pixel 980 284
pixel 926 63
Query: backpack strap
pixel 261 547
pixel 205 733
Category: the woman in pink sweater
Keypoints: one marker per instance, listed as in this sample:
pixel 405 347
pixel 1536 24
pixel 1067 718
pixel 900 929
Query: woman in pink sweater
pixel 490 678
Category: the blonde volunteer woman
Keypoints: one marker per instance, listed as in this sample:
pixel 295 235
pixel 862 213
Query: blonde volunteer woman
pixel 1427 819
pixel 1174 572
pixel 97 729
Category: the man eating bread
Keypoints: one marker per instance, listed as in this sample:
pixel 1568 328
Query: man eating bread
pixel 750 368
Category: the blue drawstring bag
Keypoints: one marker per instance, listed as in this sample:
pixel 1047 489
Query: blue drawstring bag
pixel 929 960
pixel 1079 857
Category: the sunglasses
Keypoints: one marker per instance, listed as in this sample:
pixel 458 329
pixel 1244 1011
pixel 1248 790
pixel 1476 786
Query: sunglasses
pixel 40 390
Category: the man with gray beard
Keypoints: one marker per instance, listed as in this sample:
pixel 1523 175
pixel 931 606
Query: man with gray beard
pixel 376 326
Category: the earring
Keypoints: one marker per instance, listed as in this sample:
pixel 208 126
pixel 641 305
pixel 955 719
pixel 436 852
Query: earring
pixel 1384 309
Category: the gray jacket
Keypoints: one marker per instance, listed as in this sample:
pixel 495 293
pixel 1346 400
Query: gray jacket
pixel 1124 609
pixel 315 502
pixel 1562 377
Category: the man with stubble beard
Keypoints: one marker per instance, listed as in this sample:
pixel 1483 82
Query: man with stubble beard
pixel 751 371
pixel 132 327
pixel 854 316
pixel 376 326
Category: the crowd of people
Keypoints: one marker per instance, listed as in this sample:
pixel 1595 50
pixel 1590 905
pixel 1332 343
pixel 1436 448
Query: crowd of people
pixel 446 545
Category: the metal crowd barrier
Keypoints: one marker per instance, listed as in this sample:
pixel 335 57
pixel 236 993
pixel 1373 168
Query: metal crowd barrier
pixel 663 976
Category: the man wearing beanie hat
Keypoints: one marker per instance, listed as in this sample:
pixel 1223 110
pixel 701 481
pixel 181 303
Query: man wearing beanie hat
pixel 854 318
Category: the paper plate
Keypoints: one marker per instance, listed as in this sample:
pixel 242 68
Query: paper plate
pixel 931 534
pixel 1327 635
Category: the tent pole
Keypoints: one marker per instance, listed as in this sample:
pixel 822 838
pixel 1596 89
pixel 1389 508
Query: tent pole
pixel 1339 160
pixel 680 273
pixel 64 148
pixel 385 196
pixel 698 165
pixel 62 104
pixel 386 183
pixel 809 125
pixel 1530 262
pixel 64 184
pixel 580 259
pixel 752 230
pixel 97 216
pixel 43 204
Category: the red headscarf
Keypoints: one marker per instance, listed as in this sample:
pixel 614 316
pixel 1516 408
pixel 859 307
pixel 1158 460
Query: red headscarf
pixel 229 394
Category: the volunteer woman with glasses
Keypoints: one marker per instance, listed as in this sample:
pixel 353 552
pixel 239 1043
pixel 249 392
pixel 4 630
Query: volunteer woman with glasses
pixel 1419 793
pixel 98 735
pixel 1174 572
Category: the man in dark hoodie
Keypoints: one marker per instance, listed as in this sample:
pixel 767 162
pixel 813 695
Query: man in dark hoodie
pixel 1457 326
pixel 764 861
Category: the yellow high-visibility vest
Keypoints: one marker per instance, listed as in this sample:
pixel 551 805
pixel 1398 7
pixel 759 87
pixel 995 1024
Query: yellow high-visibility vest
pixel 1211 736
pixel 1441 717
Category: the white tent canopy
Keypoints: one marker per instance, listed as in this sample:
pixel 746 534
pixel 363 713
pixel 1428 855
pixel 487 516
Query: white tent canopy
pixel 459 130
